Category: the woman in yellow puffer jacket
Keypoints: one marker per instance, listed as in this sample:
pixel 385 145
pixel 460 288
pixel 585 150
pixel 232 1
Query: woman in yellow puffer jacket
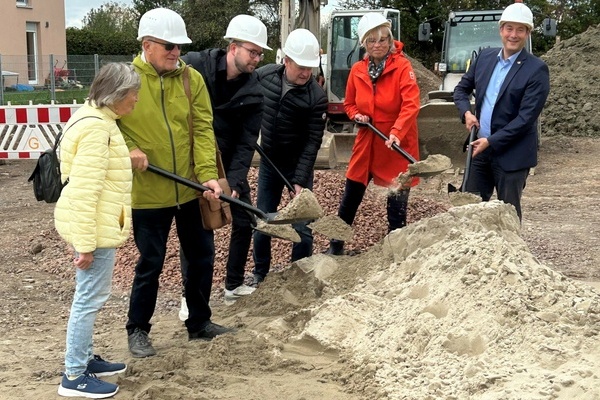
pixel 93 214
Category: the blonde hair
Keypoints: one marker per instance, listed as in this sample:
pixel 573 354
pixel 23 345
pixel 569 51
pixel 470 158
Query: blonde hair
pixel 376 33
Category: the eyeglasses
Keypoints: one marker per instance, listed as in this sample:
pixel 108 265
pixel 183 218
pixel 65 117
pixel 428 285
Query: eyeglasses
pixel 253 53
pixel 382 41
pixel 167 46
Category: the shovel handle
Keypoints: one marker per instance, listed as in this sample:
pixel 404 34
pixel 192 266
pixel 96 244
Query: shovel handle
pixel 472 136
pixel 263 156
pixel 399 149
pixel 201 188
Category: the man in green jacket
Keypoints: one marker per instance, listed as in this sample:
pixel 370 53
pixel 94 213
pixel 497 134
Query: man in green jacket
pixel 158 133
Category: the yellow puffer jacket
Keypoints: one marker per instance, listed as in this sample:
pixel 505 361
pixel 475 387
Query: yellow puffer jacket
pixel 94 209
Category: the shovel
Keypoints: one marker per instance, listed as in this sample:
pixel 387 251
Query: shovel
pixel 264 156
pixel 451 187
pixel 427 167
pixel 270 218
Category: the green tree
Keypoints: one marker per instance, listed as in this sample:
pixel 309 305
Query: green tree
pixel 141 6
pixel 111 17
pixel 207 20
pixel 110 29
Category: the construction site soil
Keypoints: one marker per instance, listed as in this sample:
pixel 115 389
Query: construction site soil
pixel 463 303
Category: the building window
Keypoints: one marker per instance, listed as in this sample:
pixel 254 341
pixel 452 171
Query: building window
pixel 23 3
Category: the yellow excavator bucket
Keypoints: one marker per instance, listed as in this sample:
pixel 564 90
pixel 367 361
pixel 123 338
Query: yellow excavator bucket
pixel 441 132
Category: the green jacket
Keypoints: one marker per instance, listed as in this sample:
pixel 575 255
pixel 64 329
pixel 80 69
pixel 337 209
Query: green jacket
pixel 158 126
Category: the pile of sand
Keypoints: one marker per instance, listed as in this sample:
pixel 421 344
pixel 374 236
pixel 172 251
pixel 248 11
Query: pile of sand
pixel 451 307
pixel 574 102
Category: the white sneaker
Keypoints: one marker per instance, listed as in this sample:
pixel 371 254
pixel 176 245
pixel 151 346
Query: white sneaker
pixel 243 290
pixel 183 311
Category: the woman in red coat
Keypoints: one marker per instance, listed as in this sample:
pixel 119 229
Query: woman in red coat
pixel 381 89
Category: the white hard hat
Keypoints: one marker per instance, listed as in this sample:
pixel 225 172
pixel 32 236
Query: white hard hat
pixel 247 28
pixel 517 12
pixel 371 21
pixel 164 24
pixel 302 47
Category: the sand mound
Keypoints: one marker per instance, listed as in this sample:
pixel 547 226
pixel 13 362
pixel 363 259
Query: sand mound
pixel 451 307
pixel 574 100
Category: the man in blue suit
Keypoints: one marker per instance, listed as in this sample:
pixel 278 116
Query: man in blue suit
pixel 511 87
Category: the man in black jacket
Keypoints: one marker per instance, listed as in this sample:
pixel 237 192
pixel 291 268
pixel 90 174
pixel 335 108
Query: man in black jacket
pixel 237 103
pixel 291 134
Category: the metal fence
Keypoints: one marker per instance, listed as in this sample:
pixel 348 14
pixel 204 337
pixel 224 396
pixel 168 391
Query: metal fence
pixel 49 78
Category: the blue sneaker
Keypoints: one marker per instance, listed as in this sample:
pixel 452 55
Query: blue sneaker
pixel 100 367
pixel 86 385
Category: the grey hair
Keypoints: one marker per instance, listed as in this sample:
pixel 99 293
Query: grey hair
pixel 376 33
pixel 113 83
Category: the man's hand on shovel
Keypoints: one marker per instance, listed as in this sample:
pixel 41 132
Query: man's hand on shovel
pixel 214 192
pixel 479 146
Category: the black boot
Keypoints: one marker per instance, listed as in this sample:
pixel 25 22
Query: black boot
pixel 336 248
pixel 351 199
pixel 397 204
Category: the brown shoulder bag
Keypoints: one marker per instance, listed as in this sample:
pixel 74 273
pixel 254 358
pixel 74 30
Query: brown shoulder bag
pixel 215 214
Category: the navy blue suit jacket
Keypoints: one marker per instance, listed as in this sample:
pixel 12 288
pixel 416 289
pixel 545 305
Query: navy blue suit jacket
pixel 514 139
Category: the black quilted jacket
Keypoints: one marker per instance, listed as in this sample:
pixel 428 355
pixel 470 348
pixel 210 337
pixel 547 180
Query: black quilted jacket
pixel 292 126
pixel 237 122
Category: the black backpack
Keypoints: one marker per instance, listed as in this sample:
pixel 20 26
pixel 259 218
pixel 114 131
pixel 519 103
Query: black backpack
pixel 46 175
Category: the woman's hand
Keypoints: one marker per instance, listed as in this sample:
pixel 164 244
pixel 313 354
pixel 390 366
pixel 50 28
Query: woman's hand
pixel 393 139
pixel 83 261
pixel 361 119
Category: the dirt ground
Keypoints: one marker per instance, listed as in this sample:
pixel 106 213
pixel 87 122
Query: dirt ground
pixel 561 225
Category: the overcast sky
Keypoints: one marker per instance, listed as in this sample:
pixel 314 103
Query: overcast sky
pixel 75 10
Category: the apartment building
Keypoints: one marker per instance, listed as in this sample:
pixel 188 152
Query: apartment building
pixel 31 30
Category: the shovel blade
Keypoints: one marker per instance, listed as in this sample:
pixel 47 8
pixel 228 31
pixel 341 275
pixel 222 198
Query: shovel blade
pixel 452 188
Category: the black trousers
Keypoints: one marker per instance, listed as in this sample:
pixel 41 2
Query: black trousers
pixel 239 246
pixel 487 175
pixel 151 231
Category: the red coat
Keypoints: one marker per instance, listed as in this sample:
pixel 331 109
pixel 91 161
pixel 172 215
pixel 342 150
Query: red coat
pixel 393 105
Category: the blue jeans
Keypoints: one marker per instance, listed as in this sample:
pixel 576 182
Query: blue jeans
pixel 92 290
pixel 270 188
pixel 151 231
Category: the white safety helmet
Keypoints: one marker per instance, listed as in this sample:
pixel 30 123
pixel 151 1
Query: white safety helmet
pixel 247 28
pixel 371 21
pixel 517 12
pixel 302 47
pixel 163 24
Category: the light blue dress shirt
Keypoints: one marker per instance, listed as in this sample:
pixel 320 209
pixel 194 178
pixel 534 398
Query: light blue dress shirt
pixel 491 94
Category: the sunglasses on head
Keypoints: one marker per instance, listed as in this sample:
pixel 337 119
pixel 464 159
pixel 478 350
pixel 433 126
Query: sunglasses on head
pixel 167 46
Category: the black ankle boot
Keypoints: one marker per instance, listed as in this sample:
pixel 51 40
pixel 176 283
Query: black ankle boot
pixel 336 248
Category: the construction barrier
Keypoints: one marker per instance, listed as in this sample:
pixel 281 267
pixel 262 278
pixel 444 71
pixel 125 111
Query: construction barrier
pixel 27 131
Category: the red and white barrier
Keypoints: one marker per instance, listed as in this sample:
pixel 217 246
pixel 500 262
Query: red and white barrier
pixel 27 131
